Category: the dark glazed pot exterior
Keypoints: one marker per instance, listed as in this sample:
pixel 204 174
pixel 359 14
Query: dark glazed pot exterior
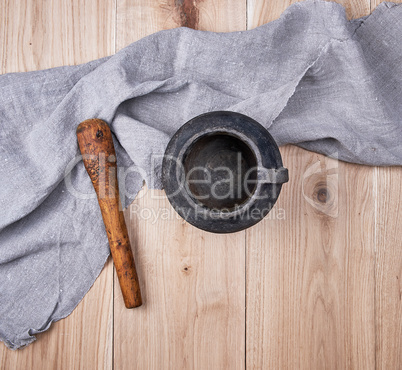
pixel 222 172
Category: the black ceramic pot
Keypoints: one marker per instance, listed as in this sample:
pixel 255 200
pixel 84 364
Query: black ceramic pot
pixel 222 172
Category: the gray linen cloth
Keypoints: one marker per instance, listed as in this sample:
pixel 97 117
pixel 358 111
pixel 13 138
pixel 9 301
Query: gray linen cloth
pixel 312 78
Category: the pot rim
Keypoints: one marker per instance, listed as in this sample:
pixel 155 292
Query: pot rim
pixel 267 156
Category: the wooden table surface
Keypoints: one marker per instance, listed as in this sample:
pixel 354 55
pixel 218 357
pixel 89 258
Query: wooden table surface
pixel 315 285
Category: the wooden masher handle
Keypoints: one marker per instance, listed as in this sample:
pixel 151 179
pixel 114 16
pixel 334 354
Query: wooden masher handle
pixel 96 146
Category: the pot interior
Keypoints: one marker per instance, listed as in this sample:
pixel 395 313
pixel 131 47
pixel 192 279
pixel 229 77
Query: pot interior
pixel 220 171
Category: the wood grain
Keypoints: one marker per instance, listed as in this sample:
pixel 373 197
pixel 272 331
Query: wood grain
pixel 193 289
pixel 322 272
pixel 83 340
pixel 144 17
pixel 388 287
pixel 263 11
pixel 389 269
pixel 192 282
pixel 96 146
pixel 42 34
pixel 310 274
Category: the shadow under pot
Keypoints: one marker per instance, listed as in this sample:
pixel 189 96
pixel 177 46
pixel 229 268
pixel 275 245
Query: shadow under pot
pixel 222 172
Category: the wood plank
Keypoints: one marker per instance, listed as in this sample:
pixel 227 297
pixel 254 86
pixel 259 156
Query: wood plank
pixel 375 3
pixel 43 34
pixel 310 276
pixel 192 282
pixel 389 269
pixel 388 285
pixel 193 289
pixel 136 20
pixel 83 340
pixel 263 11
pixel 310 270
